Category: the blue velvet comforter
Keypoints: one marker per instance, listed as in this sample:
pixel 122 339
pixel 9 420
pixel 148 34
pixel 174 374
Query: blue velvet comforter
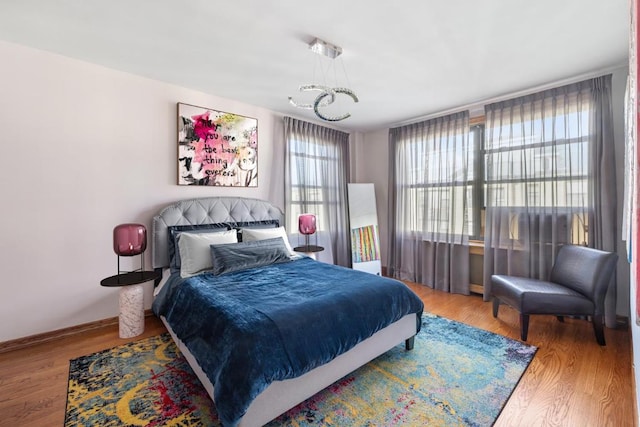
pixel 250 328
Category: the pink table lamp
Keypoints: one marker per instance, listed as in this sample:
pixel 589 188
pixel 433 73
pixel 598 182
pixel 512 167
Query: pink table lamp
pixel 130 240
pixel 307 226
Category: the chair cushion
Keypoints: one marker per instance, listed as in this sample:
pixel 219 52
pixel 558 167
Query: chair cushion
pixel 532 296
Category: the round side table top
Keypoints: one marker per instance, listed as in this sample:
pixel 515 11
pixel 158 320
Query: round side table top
pixel 131 278
pixel 308 248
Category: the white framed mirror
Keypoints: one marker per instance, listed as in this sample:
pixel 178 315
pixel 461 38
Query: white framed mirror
pixel 363 219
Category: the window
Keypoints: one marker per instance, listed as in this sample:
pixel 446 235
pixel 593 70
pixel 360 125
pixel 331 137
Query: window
pixel 536 161
pixel 432 186
pixel 537 172
pixel 310 191
pixel 434 177
pixel 316 176
pixel 519 166
pixel 536 169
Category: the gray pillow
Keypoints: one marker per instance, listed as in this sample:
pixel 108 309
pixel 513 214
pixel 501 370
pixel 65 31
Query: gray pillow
pixel 193 249
pixel 231 257
pixel 175 230
pixel 253 234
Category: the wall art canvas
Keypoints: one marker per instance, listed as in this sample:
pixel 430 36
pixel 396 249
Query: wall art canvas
pixel 216 148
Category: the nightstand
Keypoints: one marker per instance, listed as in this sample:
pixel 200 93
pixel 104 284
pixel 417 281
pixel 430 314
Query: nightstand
pixel 131 300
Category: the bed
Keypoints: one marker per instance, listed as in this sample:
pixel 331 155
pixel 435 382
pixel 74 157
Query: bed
pixel 265 329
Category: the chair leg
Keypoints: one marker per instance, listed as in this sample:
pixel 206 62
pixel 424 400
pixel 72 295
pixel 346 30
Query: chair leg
pixel 496 305
pixel 524 326
pixel 598 329
pixel 560 318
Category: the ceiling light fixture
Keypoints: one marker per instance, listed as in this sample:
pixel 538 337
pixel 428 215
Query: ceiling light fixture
pixel 328 92
pixel 323 48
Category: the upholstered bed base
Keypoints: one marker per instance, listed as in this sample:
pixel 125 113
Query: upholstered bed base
pixel 280 395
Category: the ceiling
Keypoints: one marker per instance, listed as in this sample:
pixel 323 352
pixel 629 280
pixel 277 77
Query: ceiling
pixel 405 59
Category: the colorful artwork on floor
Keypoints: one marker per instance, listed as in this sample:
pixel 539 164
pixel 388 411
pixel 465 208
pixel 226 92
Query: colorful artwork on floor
pixel 364 244
pixel 216 148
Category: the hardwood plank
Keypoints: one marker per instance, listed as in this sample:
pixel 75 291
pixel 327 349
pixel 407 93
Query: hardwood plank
pixel 572 381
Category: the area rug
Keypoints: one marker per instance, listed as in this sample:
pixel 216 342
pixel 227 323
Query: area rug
pixel 456 375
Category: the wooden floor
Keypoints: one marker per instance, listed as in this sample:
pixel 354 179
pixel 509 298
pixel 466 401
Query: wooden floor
pixel 572 381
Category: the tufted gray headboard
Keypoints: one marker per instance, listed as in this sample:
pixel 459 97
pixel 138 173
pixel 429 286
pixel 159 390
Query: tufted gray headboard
pixel 208 210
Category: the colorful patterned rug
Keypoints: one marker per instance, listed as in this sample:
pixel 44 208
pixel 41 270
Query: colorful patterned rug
pixel 457 375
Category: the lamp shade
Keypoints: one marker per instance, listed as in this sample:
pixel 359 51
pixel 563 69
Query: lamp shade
pixel 307 223
pixel 129 239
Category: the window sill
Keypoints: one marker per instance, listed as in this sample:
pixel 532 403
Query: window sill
pixel 476 247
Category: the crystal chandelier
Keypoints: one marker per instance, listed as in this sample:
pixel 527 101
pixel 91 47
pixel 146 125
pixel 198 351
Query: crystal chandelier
pixel 327 94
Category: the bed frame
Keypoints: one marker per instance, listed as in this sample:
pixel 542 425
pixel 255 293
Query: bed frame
pixel 280 396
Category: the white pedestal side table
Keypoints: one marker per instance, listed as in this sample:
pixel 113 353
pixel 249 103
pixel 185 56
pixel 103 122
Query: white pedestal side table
pixel 131 300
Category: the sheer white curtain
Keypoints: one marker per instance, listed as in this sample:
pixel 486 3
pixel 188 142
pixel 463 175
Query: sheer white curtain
pixel 316 176
pixel 431 173
pixel 550 179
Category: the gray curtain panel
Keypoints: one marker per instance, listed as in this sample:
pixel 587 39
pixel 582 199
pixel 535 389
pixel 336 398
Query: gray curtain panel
pixel 550 180
pixel 429 200
pixel 316 177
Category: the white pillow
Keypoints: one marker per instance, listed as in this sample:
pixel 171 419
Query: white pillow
pixel 253 234
pixel 195 251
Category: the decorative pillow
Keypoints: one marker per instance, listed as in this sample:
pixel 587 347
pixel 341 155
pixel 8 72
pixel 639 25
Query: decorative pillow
pixel 194 250
pixel 252 235
pixel 230 257
pixel 267 223
pixel 176 230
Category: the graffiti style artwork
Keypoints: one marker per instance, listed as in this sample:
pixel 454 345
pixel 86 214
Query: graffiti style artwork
pixel 216 148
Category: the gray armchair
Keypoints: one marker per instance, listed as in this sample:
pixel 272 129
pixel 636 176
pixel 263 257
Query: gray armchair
pixel 577 286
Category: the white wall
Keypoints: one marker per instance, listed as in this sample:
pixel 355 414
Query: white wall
pixel 372 155
pixel 85 148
